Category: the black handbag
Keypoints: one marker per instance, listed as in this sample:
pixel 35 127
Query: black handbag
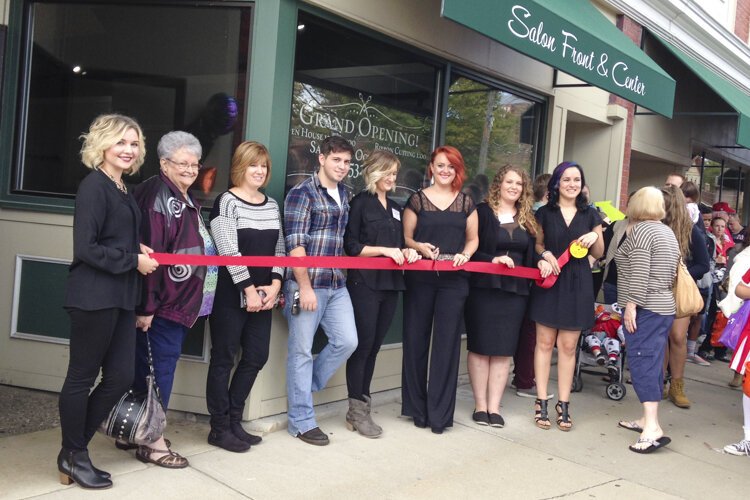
pixel 138 417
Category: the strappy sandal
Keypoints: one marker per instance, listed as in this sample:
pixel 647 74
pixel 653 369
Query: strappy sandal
pixel 125 445
pixel 541 416
pixel 171 460
pixel 564 423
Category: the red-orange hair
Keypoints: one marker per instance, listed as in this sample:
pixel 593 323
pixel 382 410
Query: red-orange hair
pixel 456 160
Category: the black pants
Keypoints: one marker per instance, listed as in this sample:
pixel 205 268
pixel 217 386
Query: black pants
pixel 233 328
pixel 373 313
pixel 105 340
pixel 433 308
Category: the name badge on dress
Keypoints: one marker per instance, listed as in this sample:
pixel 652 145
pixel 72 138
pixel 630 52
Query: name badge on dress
pixel 505 218
pixel 396 214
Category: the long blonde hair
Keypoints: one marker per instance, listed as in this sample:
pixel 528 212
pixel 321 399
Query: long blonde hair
pixel 678 218
pixel 525 202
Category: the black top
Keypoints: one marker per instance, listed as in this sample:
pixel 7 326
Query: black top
pixel 106 227
pixel 446 229
pixel 496 239
pixel 569 303
pixel 370 224
pixel 698 261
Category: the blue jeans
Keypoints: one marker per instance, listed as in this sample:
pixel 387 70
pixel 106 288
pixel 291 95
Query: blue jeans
pixel 305 375
pixel 166 339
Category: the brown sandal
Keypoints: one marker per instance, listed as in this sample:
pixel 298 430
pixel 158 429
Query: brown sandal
pixel 171 460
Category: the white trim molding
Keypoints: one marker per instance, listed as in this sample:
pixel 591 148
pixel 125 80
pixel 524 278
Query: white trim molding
pixel 686 25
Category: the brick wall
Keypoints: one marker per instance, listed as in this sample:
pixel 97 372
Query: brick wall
pixel 742 20
pixel 634 31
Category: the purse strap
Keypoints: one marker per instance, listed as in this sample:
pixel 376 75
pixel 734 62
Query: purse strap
pixel 154 385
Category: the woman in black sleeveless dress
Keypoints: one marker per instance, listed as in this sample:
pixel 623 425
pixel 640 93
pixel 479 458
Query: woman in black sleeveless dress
pixel 497 304
pixel 562 311
pixel 440 222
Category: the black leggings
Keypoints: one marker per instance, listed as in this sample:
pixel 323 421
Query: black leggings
pixel 105 340
pixel 232 328
pixel 373 313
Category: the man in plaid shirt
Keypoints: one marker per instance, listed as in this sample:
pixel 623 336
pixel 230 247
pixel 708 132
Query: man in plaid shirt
pixel 315 215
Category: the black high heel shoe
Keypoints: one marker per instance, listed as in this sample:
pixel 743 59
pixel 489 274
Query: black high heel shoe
pixel 76 466
pixel 541 415
pixel 564 423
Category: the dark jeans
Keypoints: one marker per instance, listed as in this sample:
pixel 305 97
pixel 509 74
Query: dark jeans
pixel 231 329
pixel 373 314
pixel 433 310
pixel 104 340
pixel 523 360
pixel 166 346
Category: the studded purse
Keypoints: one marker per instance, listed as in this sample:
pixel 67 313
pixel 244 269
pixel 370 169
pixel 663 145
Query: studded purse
pixel 138 417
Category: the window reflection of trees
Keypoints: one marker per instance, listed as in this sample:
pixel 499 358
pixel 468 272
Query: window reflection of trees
pixel 491 128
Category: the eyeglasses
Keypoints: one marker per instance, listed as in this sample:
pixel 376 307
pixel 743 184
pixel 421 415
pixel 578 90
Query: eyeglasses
pixel 185 166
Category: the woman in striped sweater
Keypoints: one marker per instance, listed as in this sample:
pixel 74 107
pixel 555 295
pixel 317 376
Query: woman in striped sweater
pixel 646 265
pixel 244 221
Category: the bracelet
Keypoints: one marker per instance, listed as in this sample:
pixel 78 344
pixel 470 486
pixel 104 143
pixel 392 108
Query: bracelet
pixel 542 254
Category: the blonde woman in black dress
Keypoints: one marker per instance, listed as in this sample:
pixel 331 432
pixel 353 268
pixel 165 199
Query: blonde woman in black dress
pixel 562 311
pixel 496 304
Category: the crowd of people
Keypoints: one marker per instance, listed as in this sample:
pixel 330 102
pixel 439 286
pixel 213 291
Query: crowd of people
pixel 129 315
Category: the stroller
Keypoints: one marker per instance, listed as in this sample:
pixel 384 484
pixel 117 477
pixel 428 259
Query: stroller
pixel 615 389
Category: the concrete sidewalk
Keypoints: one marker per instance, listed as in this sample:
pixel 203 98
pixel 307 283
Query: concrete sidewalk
pixel 518 461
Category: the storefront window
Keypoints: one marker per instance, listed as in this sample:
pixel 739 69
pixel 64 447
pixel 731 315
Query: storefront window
pixel 169 66
pixel 374 94
pixel 492 128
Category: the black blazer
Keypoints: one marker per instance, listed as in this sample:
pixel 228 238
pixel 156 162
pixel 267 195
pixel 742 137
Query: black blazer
pixel 372 225
pixel 105 247
pixel 494 240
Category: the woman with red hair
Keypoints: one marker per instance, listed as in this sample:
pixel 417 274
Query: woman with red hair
pixel 440 222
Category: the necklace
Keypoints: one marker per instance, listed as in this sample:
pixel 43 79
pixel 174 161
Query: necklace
pixel 120 185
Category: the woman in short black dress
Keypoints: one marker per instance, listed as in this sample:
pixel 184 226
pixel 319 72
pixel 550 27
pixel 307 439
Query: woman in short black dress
pixel 440 222
pixel 496 304
pixel 374 230
pixel 562 311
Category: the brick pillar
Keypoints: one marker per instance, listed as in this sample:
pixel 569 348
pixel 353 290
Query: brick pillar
pixel 634 31
pixel 742 20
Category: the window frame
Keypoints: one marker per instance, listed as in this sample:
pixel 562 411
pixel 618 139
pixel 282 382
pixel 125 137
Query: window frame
pixel 14 97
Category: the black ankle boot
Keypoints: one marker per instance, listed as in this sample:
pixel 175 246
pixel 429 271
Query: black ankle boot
pixel 224 438
pixel 76 466
pixel 240 433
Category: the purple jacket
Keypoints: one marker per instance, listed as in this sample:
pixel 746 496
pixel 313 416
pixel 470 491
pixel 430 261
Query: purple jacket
pixel 170 224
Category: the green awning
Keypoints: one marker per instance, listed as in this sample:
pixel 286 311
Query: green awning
pixel 573 36
pixel 733 96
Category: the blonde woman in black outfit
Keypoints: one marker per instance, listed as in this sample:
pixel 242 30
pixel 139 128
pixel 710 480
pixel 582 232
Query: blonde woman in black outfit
pixel 102 291
pixel 374 230
pixel 497 304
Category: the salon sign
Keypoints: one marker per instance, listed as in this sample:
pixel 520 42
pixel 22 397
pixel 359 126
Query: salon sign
pixel 574 37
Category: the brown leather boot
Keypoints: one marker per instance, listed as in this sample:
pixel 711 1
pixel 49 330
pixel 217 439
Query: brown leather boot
pixel 677 393
pixel 358 419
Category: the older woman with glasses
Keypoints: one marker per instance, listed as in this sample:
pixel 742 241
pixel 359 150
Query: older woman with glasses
pixel 175 296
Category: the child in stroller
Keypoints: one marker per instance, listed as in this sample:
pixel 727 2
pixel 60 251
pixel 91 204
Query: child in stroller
pixel 602 346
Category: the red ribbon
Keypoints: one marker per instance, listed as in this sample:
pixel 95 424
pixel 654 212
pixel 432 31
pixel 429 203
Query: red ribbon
pixel 379 263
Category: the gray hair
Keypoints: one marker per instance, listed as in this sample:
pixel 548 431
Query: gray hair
pixel 173 141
